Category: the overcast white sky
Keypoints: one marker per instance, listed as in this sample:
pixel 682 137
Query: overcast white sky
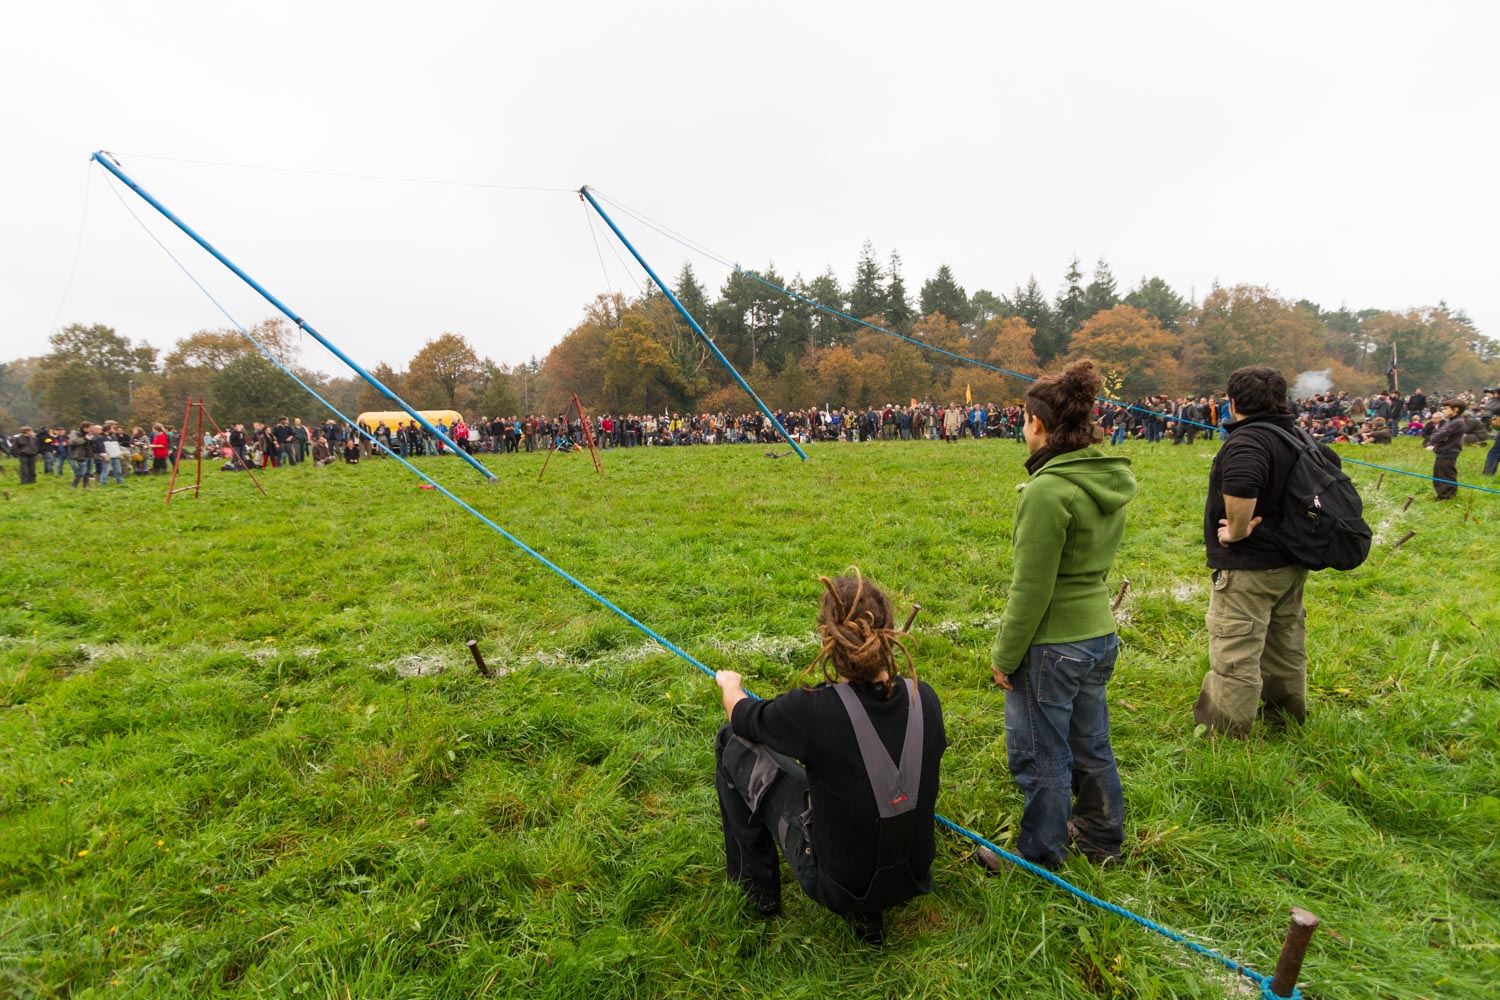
pixel 1341 152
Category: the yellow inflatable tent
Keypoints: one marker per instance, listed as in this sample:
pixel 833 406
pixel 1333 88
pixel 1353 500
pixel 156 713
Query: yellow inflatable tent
pixel 395 418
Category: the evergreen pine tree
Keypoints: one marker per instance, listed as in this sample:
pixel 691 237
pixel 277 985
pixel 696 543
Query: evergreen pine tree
pixel 942 294
pixel 691 294
pixel 1070 314
pixel 1030 304
pixel 1102 293
pixel 1155 298
pixel 898 311
pixel 867 296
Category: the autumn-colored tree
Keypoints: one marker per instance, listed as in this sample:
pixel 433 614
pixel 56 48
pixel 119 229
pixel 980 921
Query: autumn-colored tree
pixel 439 369
pixel 1433 349
pixel 895 371
pixel 576 364
pixel 1011 340
pixel 1134 352
pixel 1246 325
pixel 840 376
pixel 946 335
pixel 639 376
pixel 149 404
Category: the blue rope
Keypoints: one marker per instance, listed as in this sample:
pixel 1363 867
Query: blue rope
pixel 665 643
pixel 699 248
pixel 1264 982
pixel 1261 981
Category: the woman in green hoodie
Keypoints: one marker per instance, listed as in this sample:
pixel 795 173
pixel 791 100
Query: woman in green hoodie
pixel 1057 644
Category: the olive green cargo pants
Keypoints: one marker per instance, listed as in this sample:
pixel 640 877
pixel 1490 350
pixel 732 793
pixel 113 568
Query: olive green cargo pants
pixel 1257 649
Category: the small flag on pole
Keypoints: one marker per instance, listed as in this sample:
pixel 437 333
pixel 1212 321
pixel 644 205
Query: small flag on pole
pixel 968 396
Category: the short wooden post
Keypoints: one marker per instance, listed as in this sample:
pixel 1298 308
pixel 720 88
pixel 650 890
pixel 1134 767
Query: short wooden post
pixel 1293 950
pixel 484 671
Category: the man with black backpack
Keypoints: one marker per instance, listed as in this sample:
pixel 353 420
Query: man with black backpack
pixel 1268 473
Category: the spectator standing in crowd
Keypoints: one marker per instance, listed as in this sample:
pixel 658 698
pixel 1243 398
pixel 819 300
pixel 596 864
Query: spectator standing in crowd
pixel 113 453
pixel 1446 443
pixel 1491 416
pixel 160 445
pixel 1257 641
pixel 97 439
pixel 1057 645
pixel 81 454
pixel 26 447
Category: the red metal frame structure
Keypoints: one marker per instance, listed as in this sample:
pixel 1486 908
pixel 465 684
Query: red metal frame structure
pixel 588 437
pixel 172 487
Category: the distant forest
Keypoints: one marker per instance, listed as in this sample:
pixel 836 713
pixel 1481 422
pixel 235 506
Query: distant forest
pixel 638 355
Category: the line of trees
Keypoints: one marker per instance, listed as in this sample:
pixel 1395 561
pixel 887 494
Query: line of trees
pixel 638 355
pixel 627 355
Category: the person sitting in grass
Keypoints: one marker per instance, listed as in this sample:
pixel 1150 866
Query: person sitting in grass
pixel 322 454
pixel 854 817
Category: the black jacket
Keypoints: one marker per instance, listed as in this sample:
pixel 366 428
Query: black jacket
pixel 1254 462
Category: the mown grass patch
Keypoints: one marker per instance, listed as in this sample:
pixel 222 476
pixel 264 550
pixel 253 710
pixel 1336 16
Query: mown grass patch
pixel 245 751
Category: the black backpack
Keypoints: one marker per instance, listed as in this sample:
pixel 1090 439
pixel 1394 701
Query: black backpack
pixel 1322 516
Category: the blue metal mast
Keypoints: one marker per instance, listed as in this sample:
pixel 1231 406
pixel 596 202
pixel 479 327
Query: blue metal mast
pixel 585 193
pixel 107 161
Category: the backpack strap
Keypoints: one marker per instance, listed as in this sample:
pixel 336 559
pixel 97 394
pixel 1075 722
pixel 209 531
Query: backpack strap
pixel 895 787
pixel 1299 440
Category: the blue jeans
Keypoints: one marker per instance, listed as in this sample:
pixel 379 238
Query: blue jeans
pixel 1492 459
pixel 1057 744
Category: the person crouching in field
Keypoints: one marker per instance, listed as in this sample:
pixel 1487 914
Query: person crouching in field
pixel 854 817
pixel 1057 645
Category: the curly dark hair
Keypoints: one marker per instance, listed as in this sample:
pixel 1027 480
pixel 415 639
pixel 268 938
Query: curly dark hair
pixel 1064 403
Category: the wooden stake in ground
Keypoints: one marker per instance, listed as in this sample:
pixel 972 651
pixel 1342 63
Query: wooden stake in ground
pixel 484 671
pixel 1293 950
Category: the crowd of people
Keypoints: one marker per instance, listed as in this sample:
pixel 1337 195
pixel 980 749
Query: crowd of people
pixel 102 453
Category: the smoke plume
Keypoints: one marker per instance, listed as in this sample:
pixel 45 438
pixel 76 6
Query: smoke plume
pixel 1313 383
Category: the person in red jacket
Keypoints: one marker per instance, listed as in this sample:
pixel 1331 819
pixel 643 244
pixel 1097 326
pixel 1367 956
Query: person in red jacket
pixel 159 448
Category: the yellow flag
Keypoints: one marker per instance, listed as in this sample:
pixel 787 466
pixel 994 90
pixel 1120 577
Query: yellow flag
pixel 968 396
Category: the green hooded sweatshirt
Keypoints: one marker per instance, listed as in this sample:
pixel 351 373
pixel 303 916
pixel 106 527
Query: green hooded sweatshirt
pixel 1067 528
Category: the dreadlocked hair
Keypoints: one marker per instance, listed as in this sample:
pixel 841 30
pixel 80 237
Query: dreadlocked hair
pixel 855 622
pixel 1065 404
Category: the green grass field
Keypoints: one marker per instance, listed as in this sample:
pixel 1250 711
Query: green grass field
pixel 243 748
